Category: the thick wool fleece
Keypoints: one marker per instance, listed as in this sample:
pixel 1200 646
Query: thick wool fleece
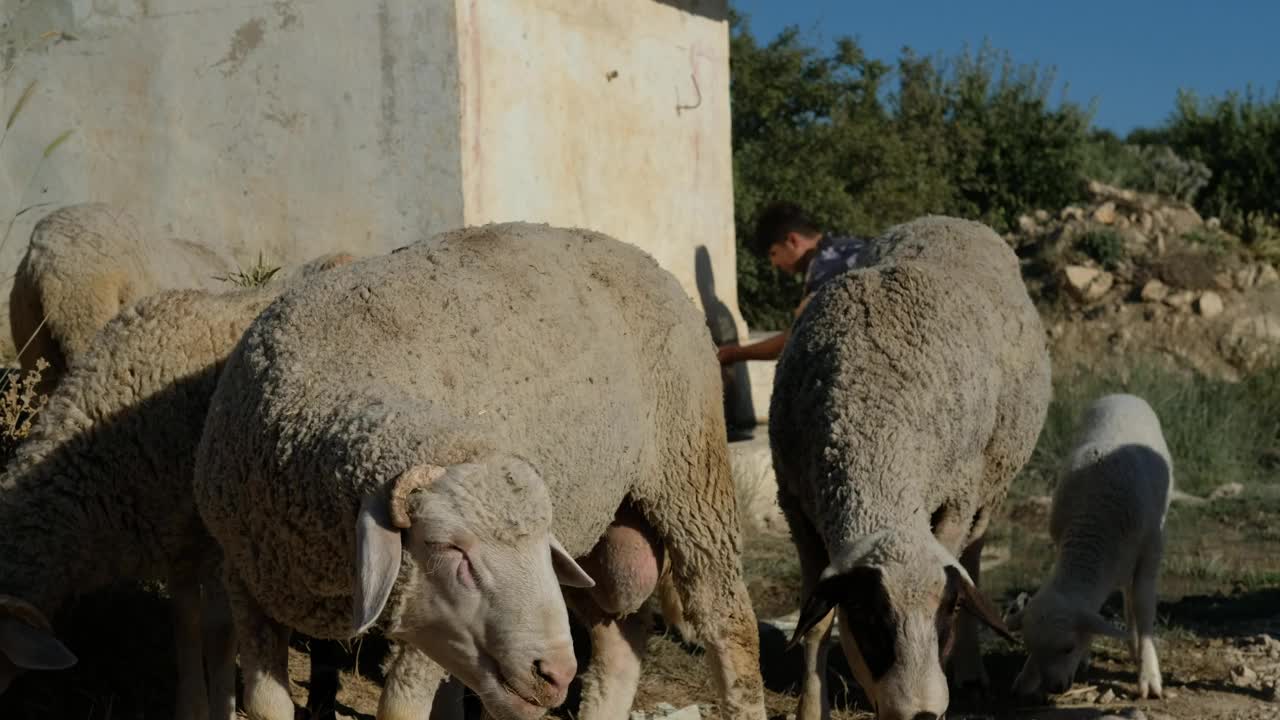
pixel 101 489
pixel 911 390
pixel 84 264
pixel 567 348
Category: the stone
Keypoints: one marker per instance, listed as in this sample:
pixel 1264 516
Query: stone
pixel 1154 291
pixel 1072 212
pixel 1246 277
pixel 1224 280
pixel 1122 222
pixel 1209 305
pixel 689 712
pixel 664 708
pixel 1107 697
pixel 1228 490
pixel 1042 216
pixel 1145 223
pixel 1267 274
pixel 1027 224
pixel 1213 223
pixel 1105 213
pixel 1243 676
pixel 1086 283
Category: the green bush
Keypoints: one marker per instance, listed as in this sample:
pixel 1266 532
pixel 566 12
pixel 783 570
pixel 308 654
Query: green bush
pixel 974 137
pixel 1237 137
pixel 1104 246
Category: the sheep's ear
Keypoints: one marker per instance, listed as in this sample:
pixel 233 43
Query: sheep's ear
pixel 975 602
pixel 833 589
pixel 1094 624
pixel 568 572
pixel 32 648
pixel 377 561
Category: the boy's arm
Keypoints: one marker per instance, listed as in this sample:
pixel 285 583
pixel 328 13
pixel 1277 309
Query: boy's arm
pixel 767 349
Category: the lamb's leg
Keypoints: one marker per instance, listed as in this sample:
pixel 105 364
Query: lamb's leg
pixel 219 650
pixel 412 683
pixel 610 679
pixel 264 656
pixel 966 665
pixel 192 698
pixel 1144 610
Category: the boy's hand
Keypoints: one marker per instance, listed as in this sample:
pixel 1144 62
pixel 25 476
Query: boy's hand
pixel 728 354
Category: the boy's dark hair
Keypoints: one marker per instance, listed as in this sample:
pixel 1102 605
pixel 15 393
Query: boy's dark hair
pixel 775 221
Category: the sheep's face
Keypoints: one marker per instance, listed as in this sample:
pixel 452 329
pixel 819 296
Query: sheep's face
pixel 482 595
pixel 897 600
pixel 26 642
pixel 1057 634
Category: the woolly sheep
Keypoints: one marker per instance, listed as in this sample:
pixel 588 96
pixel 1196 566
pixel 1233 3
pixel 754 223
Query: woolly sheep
pixel 500 372
pixel 1107 525
pixel 909 394
pixel 85 263
pixel 108 465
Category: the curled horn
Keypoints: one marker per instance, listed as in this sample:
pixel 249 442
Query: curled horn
pixel 416 477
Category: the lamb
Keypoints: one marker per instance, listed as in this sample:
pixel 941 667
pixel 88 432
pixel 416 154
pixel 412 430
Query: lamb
pixel 109 466
pixel 1107 525
pixel 490 401
pixel 86 262
pixel 909 394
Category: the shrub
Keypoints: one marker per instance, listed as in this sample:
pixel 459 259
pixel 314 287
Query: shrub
pixel 1103 245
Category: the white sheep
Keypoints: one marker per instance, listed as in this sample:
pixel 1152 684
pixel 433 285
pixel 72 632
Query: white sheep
pixel 86 262
pixel 909 394
pixel 101 489
pixel 1107 526
pixel 400 445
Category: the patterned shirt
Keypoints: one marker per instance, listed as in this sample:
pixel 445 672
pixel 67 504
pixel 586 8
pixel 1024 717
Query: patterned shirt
pixel 834 256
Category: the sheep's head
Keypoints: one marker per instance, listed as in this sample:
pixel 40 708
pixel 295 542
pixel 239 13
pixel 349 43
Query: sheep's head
pixel 27 642
pixel 1057 632
pixel 898 593
pixel 482 594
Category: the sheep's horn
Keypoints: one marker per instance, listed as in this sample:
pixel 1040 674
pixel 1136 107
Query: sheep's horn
pixel 418 476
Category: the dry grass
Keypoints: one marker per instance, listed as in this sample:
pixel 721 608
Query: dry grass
pixel 19 405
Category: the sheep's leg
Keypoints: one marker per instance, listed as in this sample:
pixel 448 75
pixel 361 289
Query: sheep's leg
pixel 264 656
pixel 610 679
pixel 814 702
pixel 325 657
pixel 1144 611
pixel 701 536
pixel 192 697
pixel 219 650
pixel 415 687
pixel 966 665
pixel 1131 619
pixel 673 610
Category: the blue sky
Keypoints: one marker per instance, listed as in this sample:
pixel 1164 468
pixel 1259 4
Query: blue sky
pixel 1130 56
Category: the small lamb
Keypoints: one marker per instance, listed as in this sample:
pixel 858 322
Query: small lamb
pixel 407 443
pixel 908 396
pixel 1107 525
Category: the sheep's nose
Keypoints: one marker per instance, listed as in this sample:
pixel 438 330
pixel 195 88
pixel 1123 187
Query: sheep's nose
pixel 557 673
pixel 925 716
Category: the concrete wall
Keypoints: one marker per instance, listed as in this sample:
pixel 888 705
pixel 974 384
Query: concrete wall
pixel 612 115
pixel 302 126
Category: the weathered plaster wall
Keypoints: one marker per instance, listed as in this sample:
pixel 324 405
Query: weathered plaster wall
pixel 296 127
pixel 611 115
pixel 291 127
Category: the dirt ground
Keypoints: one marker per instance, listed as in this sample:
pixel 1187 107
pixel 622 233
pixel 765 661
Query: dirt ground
pixel 1219 624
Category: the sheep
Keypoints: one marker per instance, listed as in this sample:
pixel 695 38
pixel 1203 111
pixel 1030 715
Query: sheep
pixel 908 395
pixel 502 396
pixel 86 262
pixel 1107 526
pixel 109 465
